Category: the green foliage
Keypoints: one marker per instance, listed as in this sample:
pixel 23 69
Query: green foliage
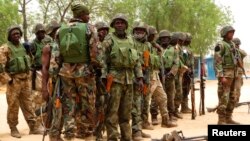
pixel 9 16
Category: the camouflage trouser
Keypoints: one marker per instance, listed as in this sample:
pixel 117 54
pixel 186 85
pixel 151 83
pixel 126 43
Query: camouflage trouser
pixel 160 97
pixel 79 105
pixel 137 110
pixel 227 97
pixel 186 86
pixel 119 112
pixel 171 92
pixel 145 107
pixel 57 118
pixel 19 94
pixel 153 107
pixel 238 85
pixel 178 94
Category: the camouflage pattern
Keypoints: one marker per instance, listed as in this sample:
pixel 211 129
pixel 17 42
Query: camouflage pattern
pixel 137 110
pixel 120 104
pixel 225 30
pixel 11 29
pixel 225 67
pixel 119 16
pixel 18 92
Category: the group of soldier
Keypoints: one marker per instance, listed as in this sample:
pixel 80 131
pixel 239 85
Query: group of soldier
pixel 100 80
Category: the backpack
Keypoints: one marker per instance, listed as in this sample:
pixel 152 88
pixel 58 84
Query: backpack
pixel 73 43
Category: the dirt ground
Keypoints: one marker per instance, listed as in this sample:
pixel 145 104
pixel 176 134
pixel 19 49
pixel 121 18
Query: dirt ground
pixel 189 127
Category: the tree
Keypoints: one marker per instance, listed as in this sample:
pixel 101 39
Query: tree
pixel 9 16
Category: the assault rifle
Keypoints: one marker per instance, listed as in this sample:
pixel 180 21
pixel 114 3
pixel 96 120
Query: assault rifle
pixel 178 136
pixel 237 105
pixel 202 87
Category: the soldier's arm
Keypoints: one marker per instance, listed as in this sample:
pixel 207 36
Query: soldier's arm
pixel 46 54
pixel 218 60
pixel 243 54
pixel 106 46
pixel 93 44
pixel 4 77
pixel 176 64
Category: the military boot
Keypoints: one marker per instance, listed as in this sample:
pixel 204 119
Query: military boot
pixel 146 125
pixel 34 129
pixel 155 120
pixel 184 107
pixel 229 119
pixel 172 117
pixel 137 136
pixel 166 122
pixel 178 115
pixel 14 132
pixel 55 138
pixel 222 120
pixel 145 135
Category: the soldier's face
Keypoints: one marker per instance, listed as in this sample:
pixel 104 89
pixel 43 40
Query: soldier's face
pixel 119 25
pixel 85 18
pixel 230 35
pixel 102 33
pixel 40 35
pixel 15 36
pixel 164 40
pixel 151 37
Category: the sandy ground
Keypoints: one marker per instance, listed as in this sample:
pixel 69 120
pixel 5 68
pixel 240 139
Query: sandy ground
pixel 189 127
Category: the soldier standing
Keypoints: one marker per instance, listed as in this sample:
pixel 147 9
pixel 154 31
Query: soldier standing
pixel 50 69
pixel 78 56
pixel 156 87
pixel 141 99
pixel 186 83
pixel 241 70
pixel 15 62
pixel 226 71
pixel 121 67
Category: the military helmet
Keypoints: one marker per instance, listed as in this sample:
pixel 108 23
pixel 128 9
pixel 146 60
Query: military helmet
pixel 236 41
pixel 101 25
pixel 77 8
pixel 188 36
pixel 182 36
pixel 152 30
pixel 225 30
pixel 141 25
pixel 10 29
pixel 53 25
pixel 175 36
pixel 38 27
pixel 119 16
pixel 164 33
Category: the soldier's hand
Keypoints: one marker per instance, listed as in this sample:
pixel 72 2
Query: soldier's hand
pixel 140 84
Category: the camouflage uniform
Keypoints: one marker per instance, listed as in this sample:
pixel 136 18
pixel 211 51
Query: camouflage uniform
pixel 36 53
pixel 15 63
pixel 226 72
pixel 186 83
pixel 239 79
pixel 123 71
pixel 78 81
pixel 179 76
pixel 50 71
pixel 141 99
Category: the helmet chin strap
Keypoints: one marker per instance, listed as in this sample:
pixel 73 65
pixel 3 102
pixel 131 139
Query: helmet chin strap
pixel 140 37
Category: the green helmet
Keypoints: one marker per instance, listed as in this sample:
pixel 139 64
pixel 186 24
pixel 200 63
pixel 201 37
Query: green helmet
pixel 101 25
pixel 152 30
pixel 236 41
pixel 225 30
pixel 140 25
pixel 182 36
pixel 164 33
pixel 77 8
pixel 53 25
pixel 119 16
pixel 38 27
pixel 10 29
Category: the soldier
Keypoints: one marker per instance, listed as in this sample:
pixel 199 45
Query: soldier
pixel 102 31
pixel 50 68
pixel 188 59
pixel 121 66
pixel 78 57
pixel 156 88
pixel 239 79
pixel 178 78
pixel 141 99
pixel 15 63
pixel 36 66
pixel 226 72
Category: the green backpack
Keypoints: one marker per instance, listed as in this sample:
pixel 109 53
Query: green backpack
pixel 73 43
